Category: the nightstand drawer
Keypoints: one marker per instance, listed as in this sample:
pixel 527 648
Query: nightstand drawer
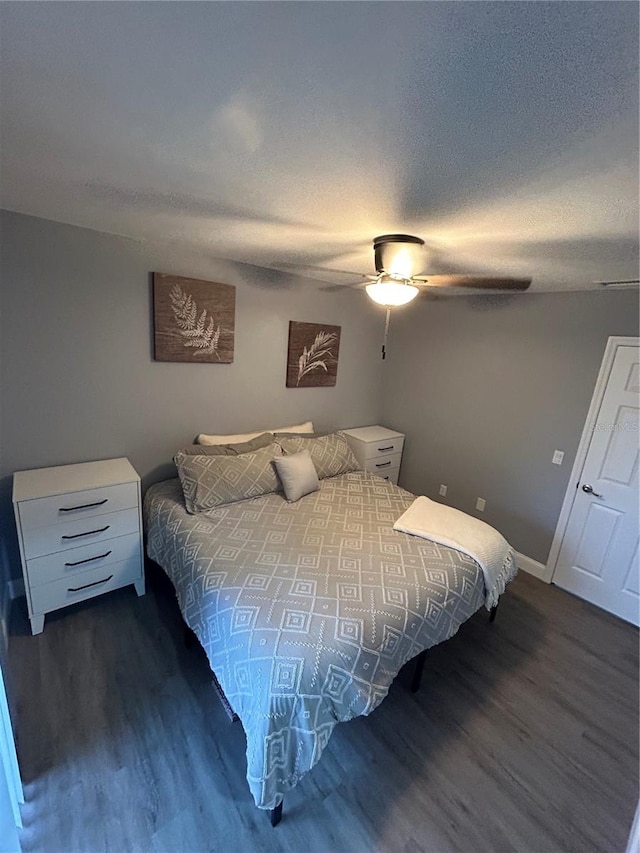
pixel 60 593
pixel 370 449
pixel 380 464
pixel 390 474
pixel 53 567
pixel 67 535
pixel 44 512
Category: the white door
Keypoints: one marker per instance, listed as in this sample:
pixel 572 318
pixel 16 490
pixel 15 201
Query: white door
pixel 10 785
pixel 598 558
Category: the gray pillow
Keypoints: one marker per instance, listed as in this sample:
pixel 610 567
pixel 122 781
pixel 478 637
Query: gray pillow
pixel 297 474
pixel 330 454
pixel 211 481
pixel 235 449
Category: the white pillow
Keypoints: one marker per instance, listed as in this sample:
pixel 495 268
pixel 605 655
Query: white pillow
pixel 228 439
pixel 297 474
pixel 307 426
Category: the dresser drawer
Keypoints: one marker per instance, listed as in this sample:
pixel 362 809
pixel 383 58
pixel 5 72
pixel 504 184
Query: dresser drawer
pixel 60 593
pixel 67 535
pixel 383 464
pixel 74 561
pixel 385 447
pixel 45 512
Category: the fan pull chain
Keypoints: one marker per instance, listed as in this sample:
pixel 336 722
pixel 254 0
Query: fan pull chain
pixel 386 332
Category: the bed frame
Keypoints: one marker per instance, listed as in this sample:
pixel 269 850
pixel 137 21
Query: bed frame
pixel 275 814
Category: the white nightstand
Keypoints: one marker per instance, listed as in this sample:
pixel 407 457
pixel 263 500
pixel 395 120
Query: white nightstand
pixel 80 533
pixel 377 449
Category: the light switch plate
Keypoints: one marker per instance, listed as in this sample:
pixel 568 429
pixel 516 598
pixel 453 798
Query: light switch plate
pixel 558 456
pixel 443 490
pixel 481 504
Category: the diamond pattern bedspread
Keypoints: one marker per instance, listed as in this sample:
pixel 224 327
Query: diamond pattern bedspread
pixel 307 611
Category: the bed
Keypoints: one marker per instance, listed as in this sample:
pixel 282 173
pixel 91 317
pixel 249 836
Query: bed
pixel 307 610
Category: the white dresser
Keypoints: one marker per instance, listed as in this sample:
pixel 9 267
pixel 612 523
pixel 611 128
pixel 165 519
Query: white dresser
pixel 80 533
pixel 377 449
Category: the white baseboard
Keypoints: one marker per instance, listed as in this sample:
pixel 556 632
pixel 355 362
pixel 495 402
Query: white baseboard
pixel 533 567
pixel 15 588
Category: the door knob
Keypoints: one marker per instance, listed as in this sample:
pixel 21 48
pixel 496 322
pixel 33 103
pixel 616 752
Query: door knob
pixel 589 490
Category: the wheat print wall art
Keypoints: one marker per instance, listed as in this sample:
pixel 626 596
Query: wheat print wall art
pixel 313 355
pixel 193 320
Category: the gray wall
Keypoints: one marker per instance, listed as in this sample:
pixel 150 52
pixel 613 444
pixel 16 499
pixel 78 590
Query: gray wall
pixel 486 388
pixel 78 379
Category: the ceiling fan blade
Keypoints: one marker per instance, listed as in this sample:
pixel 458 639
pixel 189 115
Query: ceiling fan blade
pixel 294 266
pixel 334 288
pixel 477 282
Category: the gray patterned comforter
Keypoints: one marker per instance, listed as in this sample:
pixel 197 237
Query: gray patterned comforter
pixel 307 611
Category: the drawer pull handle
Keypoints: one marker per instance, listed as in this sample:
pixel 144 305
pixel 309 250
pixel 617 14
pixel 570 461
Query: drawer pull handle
pixel 84 506
pixel 384 449
pixel 88 560
pixel 87 585
pixel 88 533
pixel 383 464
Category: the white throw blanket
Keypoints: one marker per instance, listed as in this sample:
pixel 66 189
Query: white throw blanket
pixel 455 529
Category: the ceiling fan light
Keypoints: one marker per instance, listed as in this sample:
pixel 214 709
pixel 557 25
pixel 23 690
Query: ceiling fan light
pixel 389 292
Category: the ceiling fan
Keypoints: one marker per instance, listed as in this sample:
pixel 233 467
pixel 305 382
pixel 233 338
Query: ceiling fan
pixel 399 259
pixel 398 262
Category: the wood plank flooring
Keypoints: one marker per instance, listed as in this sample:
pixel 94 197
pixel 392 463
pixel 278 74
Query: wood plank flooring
pixel 523 737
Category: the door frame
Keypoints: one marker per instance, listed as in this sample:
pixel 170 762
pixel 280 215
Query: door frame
pixel 613 344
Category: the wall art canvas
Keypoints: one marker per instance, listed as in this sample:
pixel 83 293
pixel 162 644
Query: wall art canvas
pixel 313 355
pixel 194 320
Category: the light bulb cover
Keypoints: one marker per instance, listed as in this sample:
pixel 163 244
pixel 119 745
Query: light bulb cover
pixel 390 292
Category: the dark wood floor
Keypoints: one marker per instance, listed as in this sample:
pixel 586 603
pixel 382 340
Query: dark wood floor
pixel 523 737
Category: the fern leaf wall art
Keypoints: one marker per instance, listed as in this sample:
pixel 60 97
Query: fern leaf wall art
pixel 194 320
pixel 313 355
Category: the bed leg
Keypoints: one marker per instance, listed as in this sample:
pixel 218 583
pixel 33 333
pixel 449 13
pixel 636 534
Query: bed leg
pixel 417 671
pixel 492 613
pixel 231 714
pixel 275 815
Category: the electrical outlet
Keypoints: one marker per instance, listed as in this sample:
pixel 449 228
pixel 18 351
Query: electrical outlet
pixel 481 504
pixel 443 490
pixel 558 456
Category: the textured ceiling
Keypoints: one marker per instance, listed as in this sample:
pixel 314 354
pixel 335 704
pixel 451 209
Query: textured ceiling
pixel 504 134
